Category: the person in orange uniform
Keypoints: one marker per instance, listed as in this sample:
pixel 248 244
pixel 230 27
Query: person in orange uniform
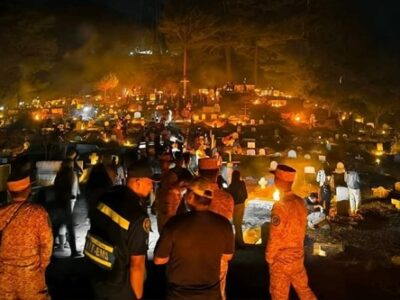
pixel 223 203
pixel 26 244
pixel 285 250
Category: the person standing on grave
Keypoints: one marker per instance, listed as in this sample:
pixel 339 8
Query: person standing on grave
pixel 26 242
pixel 285 248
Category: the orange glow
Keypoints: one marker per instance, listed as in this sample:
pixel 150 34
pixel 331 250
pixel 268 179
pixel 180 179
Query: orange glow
pixel 297 118
pixel 276 195
pixel 128 144
pixel 37 117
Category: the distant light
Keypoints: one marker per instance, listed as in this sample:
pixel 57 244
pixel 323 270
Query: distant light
pixel 378 161
pixel 86 108
pixel 1 108
pixel 276 195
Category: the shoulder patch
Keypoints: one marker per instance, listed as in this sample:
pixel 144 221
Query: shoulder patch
pixel 275 220
pixel 147 225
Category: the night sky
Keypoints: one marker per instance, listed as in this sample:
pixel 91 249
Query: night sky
pixel 382 17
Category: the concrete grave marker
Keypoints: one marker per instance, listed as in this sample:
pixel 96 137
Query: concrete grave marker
pixel 46 172
pixel 273 165
pixel 292 154
pixel 251 145
pixel 137 115
pixel 322 158
pixel 251 152
pixel 261 152
pixel 309 170
pixel 307 156
pixel 261 122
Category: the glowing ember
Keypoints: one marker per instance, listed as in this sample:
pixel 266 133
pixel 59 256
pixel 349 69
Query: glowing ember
pixel 276 195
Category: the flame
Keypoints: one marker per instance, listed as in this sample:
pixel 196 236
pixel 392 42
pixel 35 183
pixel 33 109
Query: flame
pixel 276 195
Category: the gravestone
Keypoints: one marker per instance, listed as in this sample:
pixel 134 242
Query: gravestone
pixel 322 158
pixel 273 165
pixel 261 152
pixel 307 156
pixel 292 154
pixel 137 115
pixel 342 201
pixel 251 145
pixel 309 170
pixel 261 122
pixel 251 152
pixel 46 172
pixel 309 174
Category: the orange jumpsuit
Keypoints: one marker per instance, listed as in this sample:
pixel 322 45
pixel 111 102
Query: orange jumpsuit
pixel 25 252
pixel 285 249
pixel 222 203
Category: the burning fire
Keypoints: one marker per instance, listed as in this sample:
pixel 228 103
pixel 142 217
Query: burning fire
pixel 276 195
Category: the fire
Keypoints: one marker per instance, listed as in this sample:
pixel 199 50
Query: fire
pixel 276 195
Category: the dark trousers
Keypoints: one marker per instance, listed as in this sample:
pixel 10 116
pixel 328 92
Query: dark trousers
pixel 325 196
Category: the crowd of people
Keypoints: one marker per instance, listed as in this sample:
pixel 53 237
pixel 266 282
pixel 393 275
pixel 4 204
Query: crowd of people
pixel 197 213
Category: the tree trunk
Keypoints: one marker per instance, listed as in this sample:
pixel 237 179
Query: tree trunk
pixel 256 64
pixel 185 62
pixel 228 61
pixel 378 116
